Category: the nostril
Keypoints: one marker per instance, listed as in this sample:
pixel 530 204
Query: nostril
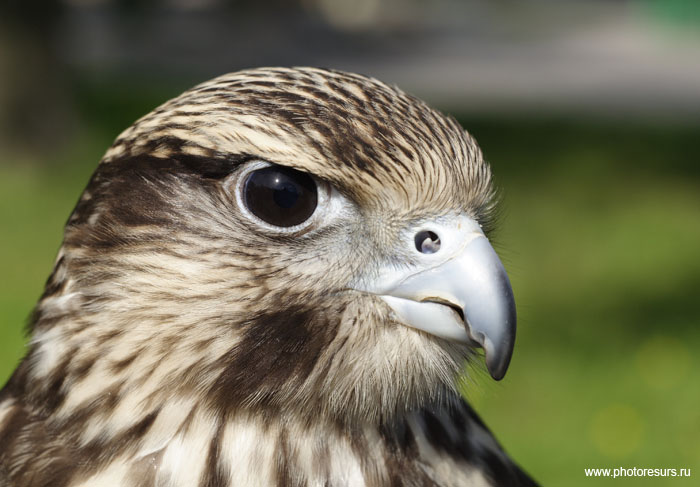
pixel 427 242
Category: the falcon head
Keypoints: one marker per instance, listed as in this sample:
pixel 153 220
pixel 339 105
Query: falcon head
pixel 291 240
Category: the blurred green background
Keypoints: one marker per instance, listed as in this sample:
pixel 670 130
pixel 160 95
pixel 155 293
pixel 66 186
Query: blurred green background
pixel 600 229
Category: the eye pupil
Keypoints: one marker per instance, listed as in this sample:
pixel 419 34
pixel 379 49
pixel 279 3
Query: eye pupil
pixel 286 196
pixel 280 196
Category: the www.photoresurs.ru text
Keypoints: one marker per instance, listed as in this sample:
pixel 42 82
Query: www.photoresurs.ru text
pixel 621 472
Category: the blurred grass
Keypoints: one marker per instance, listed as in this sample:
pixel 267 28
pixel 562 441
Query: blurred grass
pixel 601 237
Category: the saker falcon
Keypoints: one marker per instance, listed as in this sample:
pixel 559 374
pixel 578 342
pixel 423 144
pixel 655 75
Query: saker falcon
pixel 275 278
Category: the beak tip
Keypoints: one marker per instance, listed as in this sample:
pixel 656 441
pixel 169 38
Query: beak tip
pixel 497 368
pixel 497 355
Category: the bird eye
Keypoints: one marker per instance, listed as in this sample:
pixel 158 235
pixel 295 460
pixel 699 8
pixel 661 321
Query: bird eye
pixel 280 196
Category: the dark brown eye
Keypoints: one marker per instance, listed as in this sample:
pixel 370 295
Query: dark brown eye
pixel 280 196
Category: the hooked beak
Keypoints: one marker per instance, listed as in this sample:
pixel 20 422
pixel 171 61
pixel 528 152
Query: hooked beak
pixel 466 297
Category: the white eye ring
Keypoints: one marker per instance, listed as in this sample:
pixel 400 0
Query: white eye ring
pixel 235 187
